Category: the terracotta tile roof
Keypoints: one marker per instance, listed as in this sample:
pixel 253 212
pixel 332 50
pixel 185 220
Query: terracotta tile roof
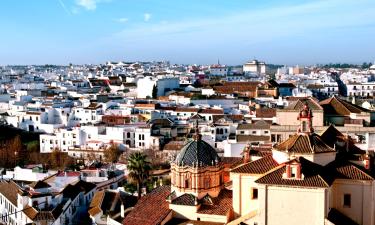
pixel 9 189
pixel 180 109
pixel 96 202
pixel 313 176
pixel 185 199
pixel 307 144
pixel 212 111
pixel 337 106
pixel 261 124
pixel 265 113
pixel 346 170
pixel 151 209
pixel 174 145
pixel 30 212
pixel 299 104
pixel 231 161
pixel 260 166
pixel 220 205
pixel 251 138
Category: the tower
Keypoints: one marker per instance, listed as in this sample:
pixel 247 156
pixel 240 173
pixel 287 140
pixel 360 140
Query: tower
pixel 305 117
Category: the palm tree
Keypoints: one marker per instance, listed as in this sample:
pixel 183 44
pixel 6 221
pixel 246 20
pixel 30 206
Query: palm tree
pixel 139 168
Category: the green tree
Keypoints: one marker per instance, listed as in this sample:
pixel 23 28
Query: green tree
pixel 112 153
pixel 139 168
pixel 154 91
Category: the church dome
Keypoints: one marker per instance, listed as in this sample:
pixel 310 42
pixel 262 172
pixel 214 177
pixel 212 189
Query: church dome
pixel 197 153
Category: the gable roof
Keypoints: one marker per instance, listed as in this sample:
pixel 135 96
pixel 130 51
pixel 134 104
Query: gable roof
pixel 9 190
pixel 313 176
pixel 305 144
pixel 260 166
pixel 300 103
pixel 337 106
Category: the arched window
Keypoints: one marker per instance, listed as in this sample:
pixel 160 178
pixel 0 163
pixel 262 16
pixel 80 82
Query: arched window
pixel 187 183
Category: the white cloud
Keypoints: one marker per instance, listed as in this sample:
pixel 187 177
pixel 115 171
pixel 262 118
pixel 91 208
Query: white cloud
pixel 122 20
pixel 87 4
pixel 146 17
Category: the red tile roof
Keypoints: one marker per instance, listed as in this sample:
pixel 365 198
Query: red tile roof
pixel 307 144
pixel 337 106
pixel 151 209
pixel 313 176
pixel 220 205
pixel 260 166
pixel 265 113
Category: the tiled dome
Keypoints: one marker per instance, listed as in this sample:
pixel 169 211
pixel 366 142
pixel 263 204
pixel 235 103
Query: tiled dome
pixel 197 153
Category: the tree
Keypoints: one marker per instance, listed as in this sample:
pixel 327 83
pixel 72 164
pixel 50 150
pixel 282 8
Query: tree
pixel 60 160
pixel 139 168
pixel 15 148
pixel 112 153
pixel 154 91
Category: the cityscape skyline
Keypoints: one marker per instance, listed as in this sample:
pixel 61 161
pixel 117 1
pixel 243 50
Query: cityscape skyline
pixel 95 31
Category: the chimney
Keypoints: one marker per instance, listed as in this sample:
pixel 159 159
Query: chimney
pixel 246 154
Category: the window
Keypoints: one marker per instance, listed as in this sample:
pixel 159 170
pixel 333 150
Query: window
pixel 242 132
pixel 254 193
pixel 293 172
pixel 187 183
pixel 347 200
pixel 304 126
pixel 254 132
pixel 266 131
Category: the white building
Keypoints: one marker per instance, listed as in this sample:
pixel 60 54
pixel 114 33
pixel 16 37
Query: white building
pixel 255 67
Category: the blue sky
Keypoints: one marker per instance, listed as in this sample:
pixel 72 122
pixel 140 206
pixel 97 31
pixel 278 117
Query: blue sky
pixel 193 31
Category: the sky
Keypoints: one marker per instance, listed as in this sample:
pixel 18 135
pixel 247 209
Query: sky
pixel 193 31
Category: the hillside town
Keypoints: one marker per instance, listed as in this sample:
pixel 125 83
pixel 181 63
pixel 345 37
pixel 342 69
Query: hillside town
pixel 157 143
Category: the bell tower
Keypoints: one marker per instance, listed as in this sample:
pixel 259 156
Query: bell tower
pixel 305 117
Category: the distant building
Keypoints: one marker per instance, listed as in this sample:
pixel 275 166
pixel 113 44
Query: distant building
pixel 255 66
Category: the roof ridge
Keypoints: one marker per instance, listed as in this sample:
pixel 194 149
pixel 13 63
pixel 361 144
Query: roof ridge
pixel 361 170
pixel 312 148
pixel 271 171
